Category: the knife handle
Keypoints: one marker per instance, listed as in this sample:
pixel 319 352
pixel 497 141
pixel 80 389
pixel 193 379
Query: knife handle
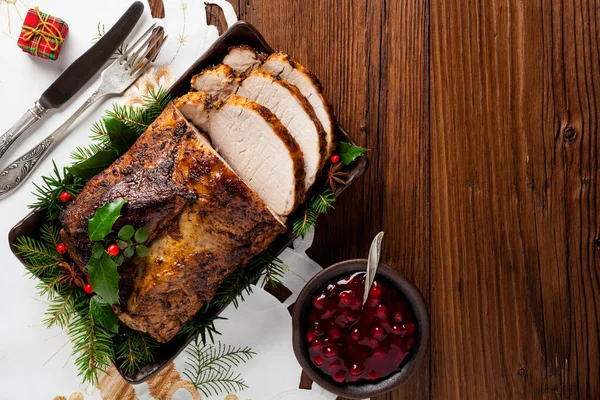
pixel 28 119
pixel 19 169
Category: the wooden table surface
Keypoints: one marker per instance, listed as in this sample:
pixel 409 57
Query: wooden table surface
pixel 482 122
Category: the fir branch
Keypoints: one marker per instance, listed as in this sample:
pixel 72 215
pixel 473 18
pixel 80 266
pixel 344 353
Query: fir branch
pixel 41 259
pixel 47 194
pixel 133 117
pixel 135 350
pixel 210 368
pixel 322 202
pixel 156 102
pixel 202 325
pixel 50 234
pixel 93 345
pixel 62 308
pixel 81 154
pixel 305 221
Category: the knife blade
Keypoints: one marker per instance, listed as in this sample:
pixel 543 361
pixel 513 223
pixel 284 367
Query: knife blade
pixel 89 63
pixel 76 75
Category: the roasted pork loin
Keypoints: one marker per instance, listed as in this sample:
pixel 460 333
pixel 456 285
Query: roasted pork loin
pixel 219 225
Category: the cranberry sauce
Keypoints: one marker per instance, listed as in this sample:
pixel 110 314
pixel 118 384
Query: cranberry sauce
pixel 350 342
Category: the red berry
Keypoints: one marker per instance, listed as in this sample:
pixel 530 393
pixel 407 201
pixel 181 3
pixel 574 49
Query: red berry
pixel 398 317
pixel 87 277
pixel 335 159
pixel 351 317
pixel 334 333
pixel 318 360
pixel 113 250
pixel 356 370
pixel 61 248
pixel 88 288
pixel 339 376
pixel 398 330
pixel 377 332
pixel 319 302
pixel 317 329
pixel 356 303
pixel 345 299
pixel 382 312
pixel 355 334
pixel 375 291
pixel 334 366
pixel 328 314
pixel 373 301
pixel 372 343
pixel 65 197
pixel 330 351
pixel 310 336
pixel 410 328
pixel 373 375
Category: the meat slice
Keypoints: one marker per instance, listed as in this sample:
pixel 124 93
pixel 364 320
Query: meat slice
pixel 224 228
pixel 243 59
pixel 218 81
pixel 256 145
pixel 143 177
pixel 283 100
pixel 282 65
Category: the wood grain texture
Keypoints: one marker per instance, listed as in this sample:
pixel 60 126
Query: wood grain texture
pixel 482 124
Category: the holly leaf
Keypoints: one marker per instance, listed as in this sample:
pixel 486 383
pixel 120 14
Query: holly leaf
pixel 122 244
pixel 104 278
pixel 129 252
pixel 104 314
pixel 141 250
pixel 121 136
pixel 119 259
pixel 94 165
pixel 102 222
pixel 141 235
pixel 349 152
pixel 126 232
pixel 97 250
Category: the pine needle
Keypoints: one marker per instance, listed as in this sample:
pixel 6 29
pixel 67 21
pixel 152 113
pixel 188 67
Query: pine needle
pixel 135 350
pixel 210 367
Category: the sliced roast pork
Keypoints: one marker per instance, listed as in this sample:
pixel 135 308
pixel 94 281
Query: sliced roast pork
pixel 219 81
pixel 243 59
pixel 282 65
pixel 281 98
pixel 224 228
pixel 256 145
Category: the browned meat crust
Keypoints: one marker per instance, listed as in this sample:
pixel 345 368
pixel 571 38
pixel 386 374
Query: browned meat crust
pixel 143 176
pixel 225 227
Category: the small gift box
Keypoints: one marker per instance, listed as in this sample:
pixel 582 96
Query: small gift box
pixel 42 35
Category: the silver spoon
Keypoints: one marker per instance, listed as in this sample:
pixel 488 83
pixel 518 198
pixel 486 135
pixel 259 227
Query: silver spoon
pixel 372 264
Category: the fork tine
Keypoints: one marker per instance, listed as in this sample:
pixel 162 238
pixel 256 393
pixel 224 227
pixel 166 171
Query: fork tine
pixel 141 71
pixel 153 48
pixel 133 46
pixel 148 43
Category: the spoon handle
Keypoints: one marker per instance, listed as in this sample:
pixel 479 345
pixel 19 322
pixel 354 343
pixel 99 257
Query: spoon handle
pixel 372 264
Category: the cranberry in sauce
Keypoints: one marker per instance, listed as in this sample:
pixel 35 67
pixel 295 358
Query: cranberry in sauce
pixel 350 342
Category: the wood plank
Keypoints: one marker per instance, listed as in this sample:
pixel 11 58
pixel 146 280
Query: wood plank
pixel 514 139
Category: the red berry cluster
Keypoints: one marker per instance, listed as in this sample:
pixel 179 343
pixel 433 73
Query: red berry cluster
pixel 350 342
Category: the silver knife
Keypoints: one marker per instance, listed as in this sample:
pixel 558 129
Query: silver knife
pixel 76 75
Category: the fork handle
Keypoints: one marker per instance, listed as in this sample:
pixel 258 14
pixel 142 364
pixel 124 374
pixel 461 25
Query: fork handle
pixel 29 118
pixel 13 175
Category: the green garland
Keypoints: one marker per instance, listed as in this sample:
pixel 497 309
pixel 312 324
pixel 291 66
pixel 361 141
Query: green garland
pixel 94 345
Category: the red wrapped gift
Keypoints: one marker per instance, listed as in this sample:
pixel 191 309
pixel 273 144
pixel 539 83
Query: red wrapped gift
pixel 42 35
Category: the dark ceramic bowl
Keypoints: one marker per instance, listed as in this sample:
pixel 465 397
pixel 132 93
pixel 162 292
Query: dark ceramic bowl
pixel 360 390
